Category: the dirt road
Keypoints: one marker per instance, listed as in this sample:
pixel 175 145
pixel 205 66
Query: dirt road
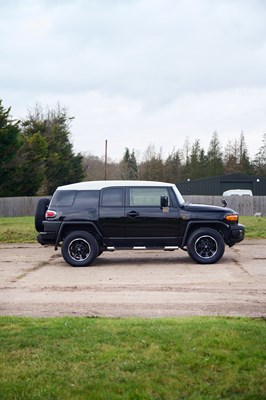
pixel 35 281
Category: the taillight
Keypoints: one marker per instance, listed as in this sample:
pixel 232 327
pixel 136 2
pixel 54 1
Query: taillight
pixel 50 214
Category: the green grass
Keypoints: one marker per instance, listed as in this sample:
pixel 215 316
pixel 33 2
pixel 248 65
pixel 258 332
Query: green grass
pixel 255 227
pixel 17 230
pixel 21 229
pixel 90 358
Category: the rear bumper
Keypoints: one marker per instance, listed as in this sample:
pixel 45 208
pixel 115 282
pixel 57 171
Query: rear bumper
pixel 49 234
pixel 45 238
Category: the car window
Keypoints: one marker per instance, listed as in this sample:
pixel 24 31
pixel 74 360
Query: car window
pixel 112 197
pixel 146 196
pixel 63 198
pixel 87 199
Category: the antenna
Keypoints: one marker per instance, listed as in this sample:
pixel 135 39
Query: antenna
pixel 105 161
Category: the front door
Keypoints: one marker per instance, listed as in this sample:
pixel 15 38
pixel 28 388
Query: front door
pixel 148 223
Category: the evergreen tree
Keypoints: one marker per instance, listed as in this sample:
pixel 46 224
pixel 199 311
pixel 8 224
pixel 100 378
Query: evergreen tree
pixel 129 166
pixel 197 161
pixel 30 165
pixel 10 142
pixel 62 166
pixel 260 159
pixel 172 171
pixel 214 165
pixel 244 160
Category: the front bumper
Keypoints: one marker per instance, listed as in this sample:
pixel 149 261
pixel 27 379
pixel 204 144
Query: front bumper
pixel 238 233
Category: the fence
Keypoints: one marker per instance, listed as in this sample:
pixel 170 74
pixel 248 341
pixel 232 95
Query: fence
pixel 245 205
pixel 18 206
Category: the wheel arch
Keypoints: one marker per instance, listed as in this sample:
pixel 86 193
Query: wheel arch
pixel 68 227
pixel 219 226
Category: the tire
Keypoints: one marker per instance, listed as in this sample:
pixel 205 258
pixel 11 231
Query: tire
pixel 41 208
pixel 79 249
pixel 205 246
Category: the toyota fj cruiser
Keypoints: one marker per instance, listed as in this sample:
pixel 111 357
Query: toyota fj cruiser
pixel 88 218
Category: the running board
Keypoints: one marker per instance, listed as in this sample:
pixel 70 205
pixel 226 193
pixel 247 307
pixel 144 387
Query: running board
pixel 166 248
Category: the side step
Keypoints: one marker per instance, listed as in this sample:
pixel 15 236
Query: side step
pixel 166 248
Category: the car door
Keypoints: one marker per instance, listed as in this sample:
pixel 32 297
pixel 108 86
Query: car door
pixel 146 221
pixel 112 214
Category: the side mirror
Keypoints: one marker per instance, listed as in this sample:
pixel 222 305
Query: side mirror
pixel 224 202
pixel 164 201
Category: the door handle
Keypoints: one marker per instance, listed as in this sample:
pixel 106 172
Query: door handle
pixel 132 214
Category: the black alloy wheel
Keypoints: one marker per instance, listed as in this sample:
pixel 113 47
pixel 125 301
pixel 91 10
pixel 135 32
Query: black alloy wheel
pixel 205 246
pixel 80 249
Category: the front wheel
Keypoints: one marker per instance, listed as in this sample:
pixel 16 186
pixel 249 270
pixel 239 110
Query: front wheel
pixel 80 249
pixel 205 246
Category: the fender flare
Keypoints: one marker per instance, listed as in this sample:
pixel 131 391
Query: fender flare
pixel 205 224
pixel 67 223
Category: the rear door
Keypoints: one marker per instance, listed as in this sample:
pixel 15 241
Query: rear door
pixel 112 213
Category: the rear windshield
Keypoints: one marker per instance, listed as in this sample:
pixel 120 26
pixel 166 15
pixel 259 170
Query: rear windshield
pixel 82 198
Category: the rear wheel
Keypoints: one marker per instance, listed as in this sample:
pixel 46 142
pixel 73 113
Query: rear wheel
pixel 80 249
pixel 41 208
pixel 205 246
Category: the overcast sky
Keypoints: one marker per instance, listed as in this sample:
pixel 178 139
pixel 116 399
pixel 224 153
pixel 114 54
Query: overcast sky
pixel 139 72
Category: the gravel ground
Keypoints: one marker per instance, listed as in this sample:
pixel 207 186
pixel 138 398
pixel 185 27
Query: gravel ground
pixel 35 281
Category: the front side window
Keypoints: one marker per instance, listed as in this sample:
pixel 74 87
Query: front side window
pixel 112 197
pixel 146 196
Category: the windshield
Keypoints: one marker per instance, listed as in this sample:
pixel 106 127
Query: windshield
pixel 179 196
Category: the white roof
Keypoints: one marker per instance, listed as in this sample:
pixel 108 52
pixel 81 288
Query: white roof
pixel 240 192
pixel 98 185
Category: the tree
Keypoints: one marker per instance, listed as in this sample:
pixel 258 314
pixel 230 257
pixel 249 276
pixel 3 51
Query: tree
pixel 214 164
pixel 236 158
pixel 62 166
pixel 197 161
pixel 129 167
pixel 30 165
pixel 260 158
pixel 94 168
pixel 151 169
pixel 172 171
pixel 231 157
pixel 10 142
pixel 244 160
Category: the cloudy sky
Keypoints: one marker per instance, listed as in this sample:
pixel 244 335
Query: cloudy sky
pixel 139 72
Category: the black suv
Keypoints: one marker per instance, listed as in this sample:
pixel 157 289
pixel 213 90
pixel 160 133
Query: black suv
pixel 88 218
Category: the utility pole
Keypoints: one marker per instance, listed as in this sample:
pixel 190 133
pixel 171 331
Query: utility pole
pixel 105 161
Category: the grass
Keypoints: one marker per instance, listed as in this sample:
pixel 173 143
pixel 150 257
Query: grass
pixel 17 230
pixel 21 229
pixel 90 358
pixel 255 227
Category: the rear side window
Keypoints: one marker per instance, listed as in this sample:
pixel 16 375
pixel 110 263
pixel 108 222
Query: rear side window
pixel 63 198
pixel 82 198
pixel 112 197
pixel 87 199
pixel 146 196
